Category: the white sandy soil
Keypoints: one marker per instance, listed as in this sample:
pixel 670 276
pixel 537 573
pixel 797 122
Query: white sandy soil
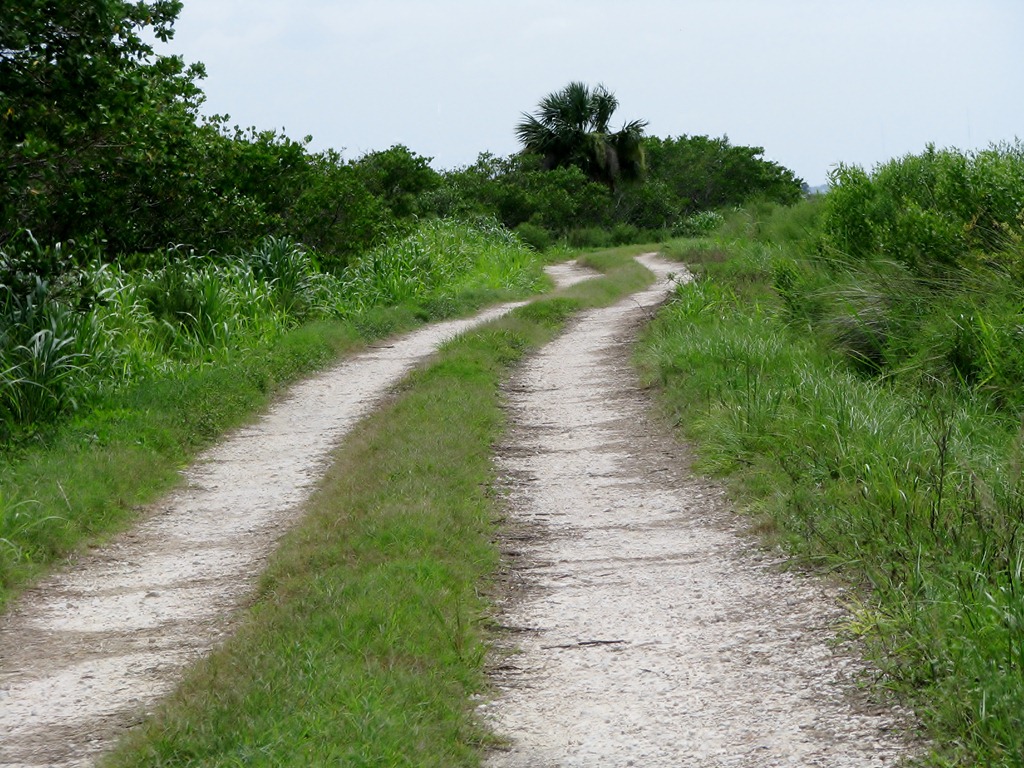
pixel 642 627
pixel 651 633
pixel 89 651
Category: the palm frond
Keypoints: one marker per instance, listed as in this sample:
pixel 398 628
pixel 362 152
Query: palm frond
pixel 602 107
pixel 533 134
pixel 571 127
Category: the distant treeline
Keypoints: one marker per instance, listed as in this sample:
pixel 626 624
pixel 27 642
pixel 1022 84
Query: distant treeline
pixel 102 144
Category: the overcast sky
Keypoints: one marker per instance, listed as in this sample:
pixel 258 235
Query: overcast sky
pixel 814 82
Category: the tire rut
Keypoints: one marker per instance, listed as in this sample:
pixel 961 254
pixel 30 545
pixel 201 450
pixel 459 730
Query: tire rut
pixel 91 650
pixel 648 629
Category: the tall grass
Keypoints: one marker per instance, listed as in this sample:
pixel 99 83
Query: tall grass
pixel 856 443
pixel 59 347
pixel 110 379
pixel 440 259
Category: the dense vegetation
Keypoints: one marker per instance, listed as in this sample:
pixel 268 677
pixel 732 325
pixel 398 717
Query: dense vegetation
pixel 143 246
pixel 367 643
pixel 167 356
pixel 102 144
pixel 135 233
pixel 854 363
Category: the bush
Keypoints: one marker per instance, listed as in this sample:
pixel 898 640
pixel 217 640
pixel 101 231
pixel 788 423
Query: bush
pixel 440 255
pixel 624 234
pixel 934 212
pixel 534 235
pixel 588 237
pixel 699 224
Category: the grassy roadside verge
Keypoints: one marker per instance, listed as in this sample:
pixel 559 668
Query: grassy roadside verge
pixel 366 640
pixel 111 379
pixel 914 496
pixel 85 480
pixel 88 477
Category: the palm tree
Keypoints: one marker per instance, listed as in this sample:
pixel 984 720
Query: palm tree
pixel 570 127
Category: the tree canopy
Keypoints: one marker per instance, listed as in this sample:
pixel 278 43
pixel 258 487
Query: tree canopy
pixel 91 120
pixel 102 142
pixel 571 127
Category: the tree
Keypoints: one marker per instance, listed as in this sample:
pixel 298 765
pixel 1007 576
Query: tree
pixel 704 173
pixel 515 189
pixel 92 123
pixel 102 145
pixel 398 176
pixel 571 128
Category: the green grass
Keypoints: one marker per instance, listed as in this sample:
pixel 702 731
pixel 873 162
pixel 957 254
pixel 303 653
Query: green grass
pixel 171 358
pixel 912 493
pixel 366 642
pixel 87 478
pixel 67 337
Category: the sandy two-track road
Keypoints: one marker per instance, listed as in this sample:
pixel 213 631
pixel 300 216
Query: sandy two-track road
pixel 650 634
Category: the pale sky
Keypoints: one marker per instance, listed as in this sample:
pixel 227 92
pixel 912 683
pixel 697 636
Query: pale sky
pixel 814 82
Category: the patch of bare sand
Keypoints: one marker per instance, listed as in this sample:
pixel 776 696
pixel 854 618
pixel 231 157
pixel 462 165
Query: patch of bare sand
pixel 643 627
pixel 92 649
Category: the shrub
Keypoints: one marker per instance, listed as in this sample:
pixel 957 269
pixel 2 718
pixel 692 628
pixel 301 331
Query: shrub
pixel 588 237
pixel 623 234
pixel 534 235
pixel 933 212
pixel 699 224
pixel 442 254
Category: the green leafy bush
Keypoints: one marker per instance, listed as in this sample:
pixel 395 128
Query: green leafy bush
pixel 698 224
pixel 934 212
pixel 534 235
pixel 442 254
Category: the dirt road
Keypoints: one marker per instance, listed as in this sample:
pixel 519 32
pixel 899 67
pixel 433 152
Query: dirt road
pixel 650 631
pixel 90 650
pixel 650 635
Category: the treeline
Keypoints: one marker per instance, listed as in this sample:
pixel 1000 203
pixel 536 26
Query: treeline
pixel 102 144
pixel 685 177
pixel 137 235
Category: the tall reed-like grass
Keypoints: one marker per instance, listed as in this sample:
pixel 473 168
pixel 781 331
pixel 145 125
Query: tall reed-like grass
pixel 441 257
pixel 904 479
pixel 58 346
pixel 40 360
pixel 110 378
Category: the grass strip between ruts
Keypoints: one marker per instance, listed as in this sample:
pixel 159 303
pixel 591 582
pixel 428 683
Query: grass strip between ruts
pixel 366 641
pixel 84 480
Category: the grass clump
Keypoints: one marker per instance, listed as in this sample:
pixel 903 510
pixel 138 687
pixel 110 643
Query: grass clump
pixel 439 261
pixel 862 411
pixel 367 640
